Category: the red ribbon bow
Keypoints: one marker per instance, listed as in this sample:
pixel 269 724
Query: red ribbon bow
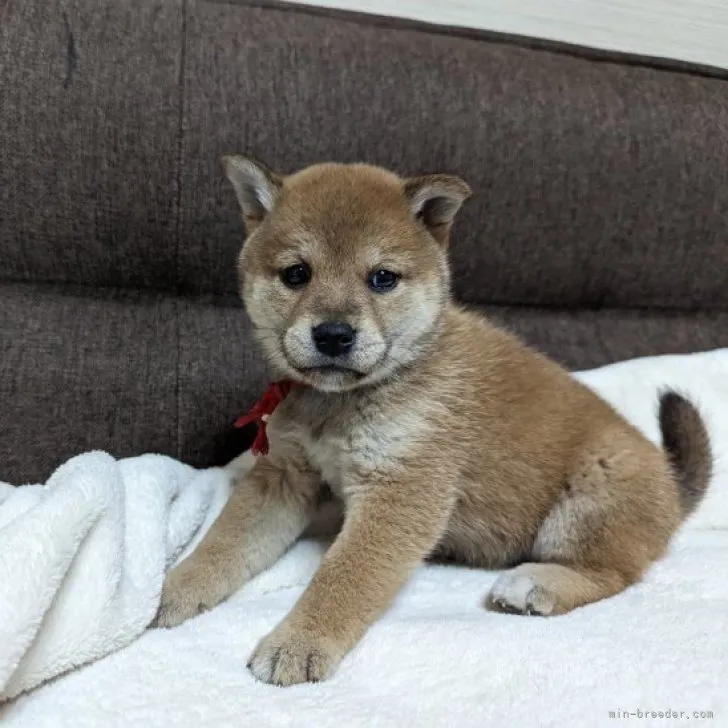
pixel 262 410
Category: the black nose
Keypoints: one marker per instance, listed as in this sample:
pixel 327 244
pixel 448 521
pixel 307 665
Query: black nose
pixel 333 338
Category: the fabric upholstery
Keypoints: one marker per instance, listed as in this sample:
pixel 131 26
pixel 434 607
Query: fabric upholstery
pixel 133 371
pixel 595 184
pixel 597 227
pixel 89 120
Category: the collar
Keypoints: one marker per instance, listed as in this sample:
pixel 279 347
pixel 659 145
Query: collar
pixel 263 409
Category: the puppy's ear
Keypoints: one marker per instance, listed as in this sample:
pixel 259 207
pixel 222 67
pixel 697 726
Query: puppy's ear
pixel 256 187
pixel 435 200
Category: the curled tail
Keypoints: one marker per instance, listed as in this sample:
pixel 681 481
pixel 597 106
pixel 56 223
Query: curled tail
pixel 687 444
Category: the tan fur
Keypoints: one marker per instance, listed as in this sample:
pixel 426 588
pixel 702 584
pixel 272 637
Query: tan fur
pixel 451 440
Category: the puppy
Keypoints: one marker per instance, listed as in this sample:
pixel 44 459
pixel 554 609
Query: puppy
pixel 443 436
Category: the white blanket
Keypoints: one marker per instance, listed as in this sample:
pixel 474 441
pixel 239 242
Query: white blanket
pixel 83 558
pixel 82 561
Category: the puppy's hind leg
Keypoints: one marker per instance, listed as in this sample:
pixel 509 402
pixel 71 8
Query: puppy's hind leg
pixel 612 520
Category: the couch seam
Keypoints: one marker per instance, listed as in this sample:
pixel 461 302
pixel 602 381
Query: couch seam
pixel 207 298
pixel 178 226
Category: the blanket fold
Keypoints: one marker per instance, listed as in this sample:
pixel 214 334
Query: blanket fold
pixel 83 558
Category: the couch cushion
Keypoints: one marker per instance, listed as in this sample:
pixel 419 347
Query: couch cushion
pixel 133 372
pixel 83 369
pixel 595 183
pixel 586 339
pixel 89 134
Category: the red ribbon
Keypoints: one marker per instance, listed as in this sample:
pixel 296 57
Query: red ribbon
pixel 262 410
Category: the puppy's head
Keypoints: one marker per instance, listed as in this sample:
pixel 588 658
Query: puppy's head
pixel 344 272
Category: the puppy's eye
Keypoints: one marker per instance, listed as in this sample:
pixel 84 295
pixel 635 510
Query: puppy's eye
pixel 296 276
pixel 383 280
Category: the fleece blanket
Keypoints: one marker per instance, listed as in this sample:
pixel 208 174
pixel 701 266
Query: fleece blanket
pixel 82 560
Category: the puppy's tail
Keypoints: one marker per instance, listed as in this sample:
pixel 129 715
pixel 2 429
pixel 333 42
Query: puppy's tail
pixel 687 444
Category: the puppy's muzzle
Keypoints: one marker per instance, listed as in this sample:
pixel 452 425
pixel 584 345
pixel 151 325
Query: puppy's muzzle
pixel 333 338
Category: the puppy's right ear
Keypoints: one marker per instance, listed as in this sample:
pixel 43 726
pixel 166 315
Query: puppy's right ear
pixel 256 187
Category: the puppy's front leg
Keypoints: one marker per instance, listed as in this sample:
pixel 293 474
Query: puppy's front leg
pixel 390 528
pixel 267 511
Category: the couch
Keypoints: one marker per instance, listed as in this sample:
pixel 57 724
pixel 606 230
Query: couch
pixel 598 227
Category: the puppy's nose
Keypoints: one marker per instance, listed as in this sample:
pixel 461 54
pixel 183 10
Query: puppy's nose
pixel 333 338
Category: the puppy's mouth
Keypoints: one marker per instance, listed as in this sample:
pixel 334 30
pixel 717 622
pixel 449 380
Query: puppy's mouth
pixel 329 376
pixel 331 369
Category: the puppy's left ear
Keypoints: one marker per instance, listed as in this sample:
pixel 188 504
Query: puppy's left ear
pixel 256 187
pixel 435 200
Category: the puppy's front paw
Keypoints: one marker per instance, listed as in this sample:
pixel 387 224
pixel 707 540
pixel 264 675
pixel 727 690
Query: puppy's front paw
pixel 186 593
pixel 288 656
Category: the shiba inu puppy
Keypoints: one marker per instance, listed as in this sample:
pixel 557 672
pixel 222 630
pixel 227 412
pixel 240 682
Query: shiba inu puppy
pixel 442 435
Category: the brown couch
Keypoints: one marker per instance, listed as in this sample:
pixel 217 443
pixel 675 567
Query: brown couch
pixel 598 226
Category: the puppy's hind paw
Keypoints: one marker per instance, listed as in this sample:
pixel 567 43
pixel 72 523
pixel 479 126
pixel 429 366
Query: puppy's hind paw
pixel 515 593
